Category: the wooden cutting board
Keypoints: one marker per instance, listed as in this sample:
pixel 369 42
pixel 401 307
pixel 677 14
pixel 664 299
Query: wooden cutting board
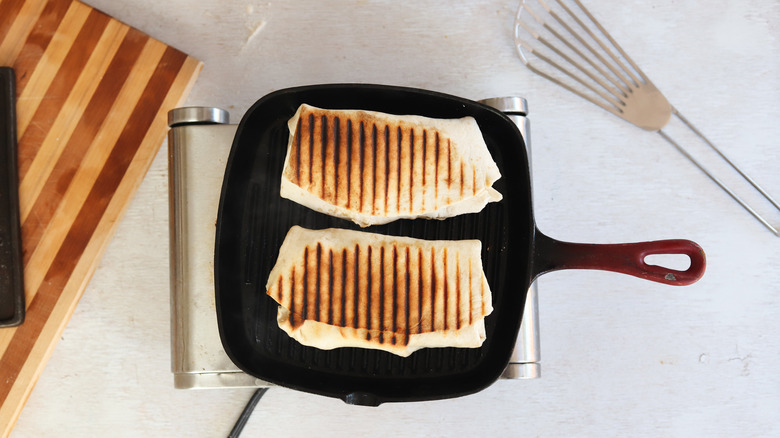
pixel 92 102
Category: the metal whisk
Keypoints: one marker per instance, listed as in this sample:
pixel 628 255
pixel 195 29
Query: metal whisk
pixel 570 48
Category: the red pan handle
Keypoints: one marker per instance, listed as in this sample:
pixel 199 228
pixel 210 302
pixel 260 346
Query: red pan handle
pixel 626 258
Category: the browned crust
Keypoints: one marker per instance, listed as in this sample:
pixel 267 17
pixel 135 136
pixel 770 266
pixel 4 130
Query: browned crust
pixel 389 290
pixel 361 162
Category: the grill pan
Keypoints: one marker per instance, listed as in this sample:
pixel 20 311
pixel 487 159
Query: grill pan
pixel 253 221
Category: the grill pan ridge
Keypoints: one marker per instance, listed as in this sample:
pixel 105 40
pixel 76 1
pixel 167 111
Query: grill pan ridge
pixel 253 221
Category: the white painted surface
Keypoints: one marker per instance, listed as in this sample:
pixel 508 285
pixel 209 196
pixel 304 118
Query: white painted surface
pixel 621 357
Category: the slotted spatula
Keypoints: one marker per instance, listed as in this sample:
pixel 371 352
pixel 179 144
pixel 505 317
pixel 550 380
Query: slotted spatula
pixel 565 44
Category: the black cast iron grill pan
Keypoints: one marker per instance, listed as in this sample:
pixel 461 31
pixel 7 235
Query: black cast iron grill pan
pixel 253 221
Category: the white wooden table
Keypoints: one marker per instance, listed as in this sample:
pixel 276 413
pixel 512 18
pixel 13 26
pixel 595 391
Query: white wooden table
pixel 621 357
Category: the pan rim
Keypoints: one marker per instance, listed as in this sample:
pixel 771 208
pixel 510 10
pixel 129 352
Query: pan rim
pixel 225 336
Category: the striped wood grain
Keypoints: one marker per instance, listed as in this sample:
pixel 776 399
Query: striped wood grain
pixel 92 98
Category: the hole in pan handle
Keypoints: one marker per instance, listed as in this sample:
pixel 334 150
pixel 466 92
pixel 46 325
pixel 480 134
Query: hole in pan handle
pixel 627 258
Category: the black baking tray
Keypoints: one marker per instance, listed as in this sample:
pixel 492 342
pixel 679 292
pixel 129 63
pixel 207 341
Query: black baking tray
pixel 11 273
pixel 253 221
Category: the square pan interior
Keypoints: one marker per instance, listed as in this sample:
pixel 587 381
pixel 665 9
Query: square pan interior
pixel 253 221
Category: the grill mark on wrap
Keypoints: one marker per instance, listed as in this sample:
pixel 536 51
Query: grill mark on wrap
pixel 398 168
pixel 355 293
pixel 324 146
pixel 411 170
pixel 424 147
pixel 446 293
pixel 457 291
pixel 380 314
pixel 362 152
pixel 331 290
pixel 393 297
pixel 336 158
pixel 318 282
pixel 418 325
pixel 387 168
pixel 474 182
pixel 408 295
pixel 349 163
pixel 346 169
pixel 343 322
pixel 298 154
pixel 369 295
pixel 436 173
pixel 375 150
pixel 432 309
pixel 280 286
pixel 311 149
pixel 293 298
pixel 312 285
pixel 377 289
pixel 462 183
pixel 305 280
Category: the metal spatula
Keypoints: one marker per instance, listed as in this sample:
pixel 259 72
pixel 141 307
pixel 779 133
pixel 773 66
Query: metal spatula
pixel 565 44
